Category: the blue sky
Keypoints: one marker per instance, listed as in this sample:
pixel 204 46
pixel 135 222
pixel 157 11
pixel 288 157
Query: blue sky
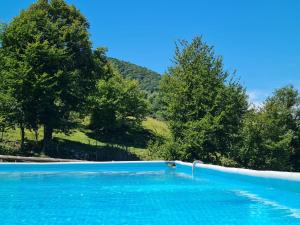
pixel 258 38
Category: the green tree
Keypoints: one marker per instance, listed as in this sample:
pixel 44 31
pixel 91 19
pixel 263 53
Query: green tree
pixel 52 66
pixel 4 111
pixel 148 79
pixel 10 112
pixel 2 28
pixel 271 134
pixel 117 101
pixel 202 103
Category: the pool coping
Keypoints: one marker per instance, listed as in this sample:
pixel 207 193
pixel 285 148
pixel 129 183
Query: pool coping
pixel 293 176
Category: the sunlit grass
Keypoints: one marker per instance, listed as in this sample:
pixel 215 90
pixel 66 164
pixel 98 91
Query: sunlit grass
pixel 80 135
pixel 158 127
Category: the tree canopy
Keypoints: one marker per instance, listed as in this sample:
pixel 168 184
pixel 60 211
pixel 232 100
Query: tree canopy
pixel 271 133
pixel 50 61
pixel 148 79
pixel 116 102
pixel 202 102
pixel 2 28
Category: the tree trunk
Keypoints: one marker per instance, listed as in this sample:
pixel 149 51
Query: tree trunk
pixel 2 133
pixel 47 137
pixel 22 128
pixel 36 134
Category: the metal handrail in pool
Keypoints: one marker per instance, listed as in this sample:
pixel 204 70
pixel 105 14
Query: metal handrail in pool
pixel 194 165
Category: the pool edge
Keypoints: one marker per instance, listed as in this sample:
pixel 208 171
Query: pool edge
pixel 292 176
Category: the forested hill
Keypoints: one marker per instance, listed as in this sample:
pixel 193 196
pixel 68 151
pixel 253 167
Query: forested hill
pixel 149 80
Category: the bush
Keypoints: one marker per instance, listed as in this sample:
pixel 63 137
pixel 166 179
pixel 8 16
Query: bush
pixel 8 150
pixel 166 149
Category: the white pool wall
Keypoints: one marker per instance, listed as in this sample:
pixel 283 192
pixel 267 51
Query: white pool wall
pixel 294 176
pixel 256 173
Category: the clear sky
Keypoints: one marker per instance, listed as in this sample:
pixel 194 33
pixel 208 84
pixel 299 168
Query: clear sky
pixel 258 38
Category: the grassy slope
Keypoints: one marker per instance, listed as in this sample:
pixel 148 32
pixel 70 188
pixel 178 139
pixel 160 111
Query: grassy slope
pixel 132 146
pixel 157 127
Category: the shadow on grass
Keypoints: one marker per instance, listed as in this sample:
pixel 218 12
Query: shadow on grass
pixel 116 147
pixel 62 148
pixel 137 137
pixel 66 149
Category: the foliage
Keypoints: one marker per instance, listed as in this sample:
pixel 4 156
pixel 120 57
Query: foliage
pixel 2 28
pixel 117 102
pixel 8 112
pixel 50 61
pixel 148 79
pixel 9 108
pixel 271 134
pixel 81 143
pixel 166 149
pixel 157 127
pixel 7 150
pixel 203 105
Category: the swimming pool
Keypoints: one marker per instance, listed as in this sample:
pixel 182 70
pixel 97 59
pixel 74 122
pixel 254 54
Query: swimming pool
pixel 142 193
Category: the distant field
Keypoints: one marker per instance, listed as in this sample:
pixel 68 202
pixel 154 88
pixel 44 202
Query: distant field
pixel 84 143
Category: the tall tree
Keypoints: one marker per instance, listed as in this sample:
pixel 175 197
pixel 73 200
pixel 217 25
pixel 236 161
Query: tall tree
pixel 10 112
pixel 271 138
pixel 52 65
pixel 202 102
pixel 2 28
pixel 117 102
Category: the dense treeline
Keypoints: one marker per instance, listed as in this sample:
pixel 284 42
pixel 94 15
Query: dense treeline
pixel 148 79
pixel 210 118
pixel 50 78
pixel 271 134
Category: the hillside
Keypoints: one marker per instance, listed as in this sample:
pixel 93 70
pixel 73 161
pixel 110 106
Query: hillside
pixel 149 80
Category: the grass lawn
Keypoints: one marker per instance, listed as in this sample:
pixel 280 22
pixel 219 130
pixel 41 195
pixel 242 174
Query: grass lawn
pixel 83 143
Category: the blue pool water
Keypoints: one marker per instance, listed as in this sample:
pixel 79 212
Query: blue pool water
pixel 141 194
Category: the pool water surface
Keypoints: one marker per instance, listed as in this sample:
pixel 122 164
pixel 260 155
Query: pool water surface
pixel 150 193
